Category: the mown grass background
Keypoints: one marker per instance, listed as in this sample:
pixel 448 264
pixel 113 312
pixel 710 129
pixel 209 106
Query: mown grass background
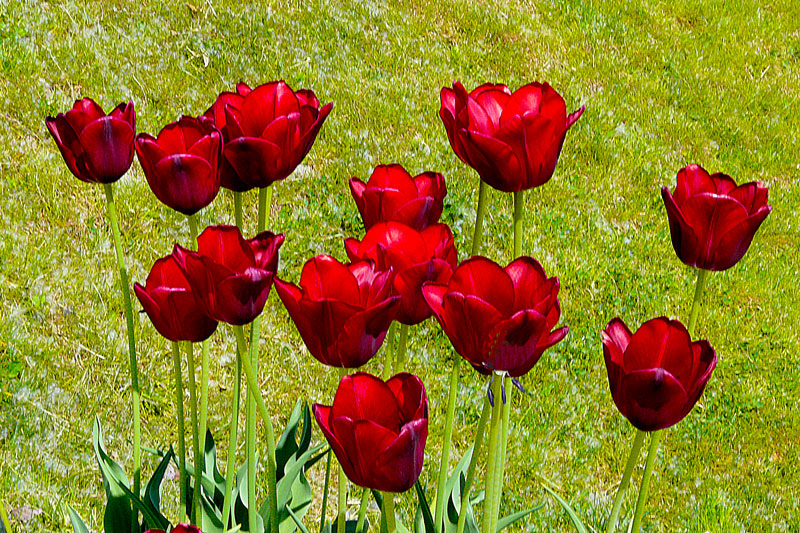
pixel 665 83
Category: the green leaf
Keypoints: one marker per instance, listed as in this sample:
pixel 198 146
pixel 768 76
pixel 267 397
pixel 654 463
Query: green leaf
pixel 118 515
pixel 297 521
pixel 77 523
pixel 454 488
pixel 424 511
pixel 152 489
pixel 287 445
pixel 510 519
pixel 579 527
pixel 215 486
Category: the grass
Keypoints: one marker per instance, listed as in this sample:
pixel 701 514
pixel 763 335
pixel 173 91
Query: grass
pixel 664 83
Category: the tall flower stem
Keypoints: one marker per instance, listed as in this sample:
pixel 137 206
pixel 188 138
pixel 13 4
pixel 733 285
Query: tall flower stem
pixel 477 234
pixel 633 458
pixel 362 511
pixel 230 472
pixel 477 448
pixel 195 437
pixel 388 512
pixel 205 362
pixel 697 302
pixel 501 462
pixel 519 208
pixel 264 204
pixel 657 435
pixel 400 351
pixel 111 209
pixel 325 491
pixel 389 349
pixel 342 519
pixel 448 435
pixel 493 455
pixel 648 470
pixel 176 359
pixel 238 219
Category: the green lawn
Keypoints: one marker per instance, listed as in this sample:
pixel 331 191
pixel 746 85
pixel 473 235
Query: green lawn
pixel 664 83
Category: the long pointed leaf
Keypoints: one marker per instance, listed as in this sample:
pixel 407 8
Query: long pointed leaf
pixel 579 527
pixel 510 519
pixel 425 509
pixel 118 516
pixel 77 522
pixel 152 490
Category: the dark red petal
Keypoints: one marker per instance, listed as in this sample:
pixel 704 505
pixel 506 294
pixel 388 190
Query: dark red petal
pixel 410 394
pixel 485 280
pixel 325 277
pixel 497 164
pixel 108 145
pixel 652 399
pixel 400 465
pixel 363 396
pixel 226 246
pixel 660 343
pixel 526 99
pixel 511 344
pixel 734 243
pixel 684 239
pixel 184 182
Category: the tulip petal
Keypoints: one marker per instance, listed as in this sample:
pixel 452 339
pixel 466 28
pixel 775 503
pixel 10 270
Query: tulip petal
pixel 529 281
pixel 485 280
pixel 225 246
pixel 468 323
pixel 398 467
pixel 323 277
pixel 265 104
pixel 253 160
pixel 652 399
pixel 511 345
pixel 736 240
pixel 712 217
pixel 705 360
pixel 684 240
pixel 363 396
pixel 495 161
pixel 410 394
pixel 322 413
pixel 660 343
pixel 108 146
pixel 184 182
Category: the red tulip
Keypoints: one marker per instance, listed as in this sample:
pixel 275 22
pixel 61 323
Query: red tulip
pixel 180 528
pixel 181 165
pixel 377 430
pixel 500 320
pixel 267 132
pixel 391 194
pixel 171 304
pixel 414 256
pixel 657 374
pixel 341 311
pixel 711 220
pixel 97 147
pixel 230 275
pixel 512 140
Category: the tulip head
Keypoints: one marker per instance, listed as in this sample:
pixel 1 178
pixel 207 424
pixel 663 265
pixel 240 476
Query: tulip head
pixel 182 164
pixel 414 256
pixel 712 221
pixel 499 320
pixel 172 305
pixel 231 276
pixel 267 132
pixel 180 528
pixel 96 147
pixel 378 429
pixel 512 140
pixel 657 374
pixel 391 194
pixel 341 311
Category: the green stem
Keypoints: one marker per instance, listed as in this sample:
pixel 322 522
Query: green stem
pixel 341 520
pixel 633 458
pixel 230 472
pixel 362 511
pixel 192 231
pixel 264 203
pixel 402 347
pixel 448 435
pixel 250 448
pixel 648 469
pixel 493 456
pixel 388 512
pixel 389 351
pixel 237 210
pixel 501 463
pixel 176 359
pixel 325 491
pixel 699 289
pixel 477 448
pixel 198 467
pixel 519 208
pixel 111 209
pixel 477 234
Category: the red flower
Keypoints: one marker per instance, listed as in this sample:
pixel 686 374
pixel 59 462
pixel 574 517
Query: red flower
pixel 378 430
pixel 182 164
pixel 341 311
pixel 267 132
pixel 657 374
pixel 500 320
pixel 414 256
pixel 171 304
pixel 96 147
pixel 711 220
pixel 512 140
pixel 230 275
pixel 391 194
pixel 180 528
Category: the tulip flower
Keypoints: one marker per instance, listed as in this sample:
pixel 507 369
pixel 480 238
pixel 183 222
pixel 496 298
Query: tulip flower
pixel 377 429
pixel 230 275
pixel 711 220
pixel 267 132
pixel 171 304
pixel 341 311
pixel 512 140
pixel 182 164
pixel 180 528
pixel 499 320
pixel 657 374
pixel 97 148
pixel 414 256
pixel 391 194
